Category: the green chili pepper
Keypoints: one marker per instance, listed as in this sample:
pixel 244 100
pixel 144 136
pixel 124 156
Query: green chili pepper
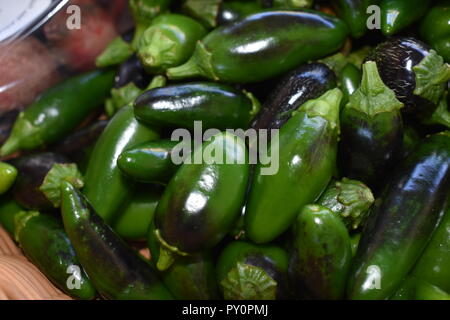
pixel 135 219
pixel 8 209
pixel 105 185
pixel 143 12
pixel 307 148
pixel 349 81
pixel 168 42
pixel 203 199
pixel 215 105
pixel 58 111
pixel 435 31
pixel 116 270
pixel 149 162
pixel 44 241
pixel 372 131
pixel 320 261
pixel 402 222
pixel 350 199
pixel 278 40
pixel 354 13
pixel 433 264
pixel 399 14
pixel 8 175
pixel 188 278
pixel 231 11
pixel 247 271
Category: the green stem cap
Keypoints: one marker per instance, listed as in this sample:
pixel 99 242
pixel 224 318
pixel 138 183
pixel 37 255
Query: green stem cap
pixel 247 282
pixel 373 96
pixel 167 253
pixel 432 75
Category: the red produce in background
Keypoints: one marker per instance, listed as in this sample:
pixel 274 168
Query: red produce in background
pixel 28 69
pixel 30 66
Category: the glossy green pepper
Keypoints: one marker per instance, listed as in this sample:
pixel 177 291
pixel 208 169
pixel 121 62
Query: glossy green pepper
pixel 188 278
pixel 135 219
pixel 8 209
pixel 278 40
pixel 215 105
pixel 44 241
pixel 435 31
pixel 123 132
pixel 307 148
pixel 349 81
pixel 350 199
pixel 143 13
pixel 8 174
pixel 149 162
pixel 432 266
pixel 402 222
pixel 58 111
pixel 168 42
pixel 399 14
pixel 203 200
pixel 231 11
pixel 247 271
pixel 354 13
pixel 321 257
pixel 115 269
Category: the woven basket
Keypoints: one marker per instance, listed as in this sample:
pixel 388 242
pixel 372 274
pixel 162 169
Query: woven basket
pixel 19 278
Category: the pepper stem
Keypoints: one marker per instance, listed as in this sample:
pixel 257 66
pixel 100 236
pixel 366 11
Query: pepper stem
pixel 10 146
pixel 167 253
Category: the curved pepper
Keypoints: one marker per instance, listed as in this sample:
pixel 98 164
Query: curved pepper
pixel 58 111
pixel 402 221
pixel 44 241
pixel 115 269
pixel 307 148
pixel 278 40
pixel 122 132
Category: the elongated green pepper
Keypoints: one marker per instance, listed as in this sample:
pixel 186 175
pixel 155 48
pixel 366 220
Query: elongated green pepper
pixel 8 175
pixel 372 130
pixel 402 221
pixel 435 31
pixel 115 269
pixel 320 261
pixel 247 271
pixel 399 14
pixel 203 199
pixel 350 199
pixel 307 148
pixel 433 264
pixel 44 241
pixel 149 162
pixel 123 132
pixel 58 111
pixel 169 41
pixel 278 40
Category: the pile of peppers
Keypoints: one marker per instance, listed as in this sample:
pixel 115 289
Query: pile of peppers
pixel 356 207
